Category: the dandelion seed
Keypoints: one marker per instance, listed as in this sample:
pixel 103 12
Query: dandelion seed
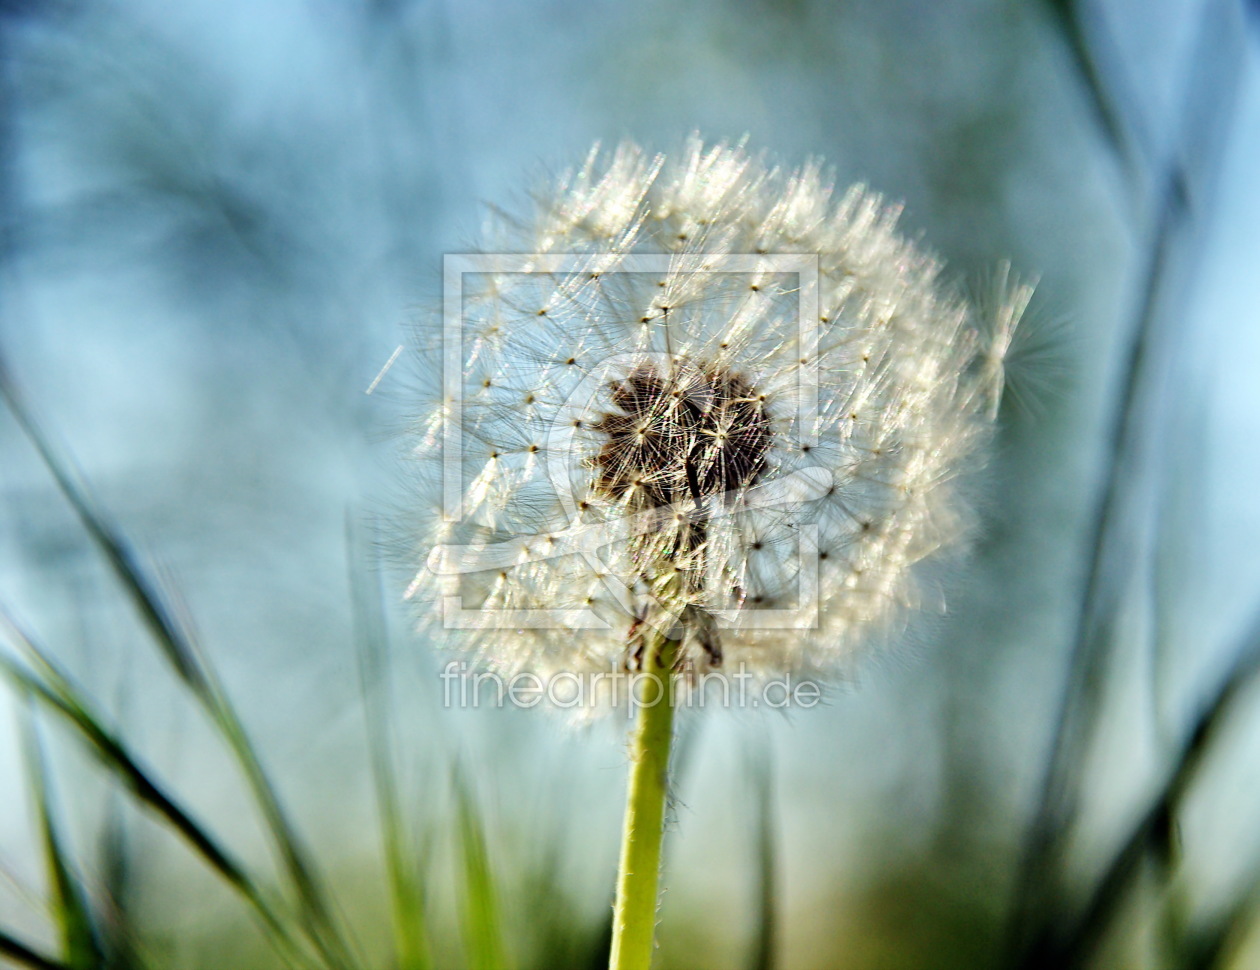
pixel 646 422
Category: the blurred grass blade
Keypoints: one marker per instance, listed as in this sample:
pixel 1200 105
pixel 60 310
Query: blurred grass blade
pixel 1155 831
pixel 1178 200
pixel 23 956
pixel 1114 124
pixel 118 935
pixel 171 636
pixel 316 911
pixel 80 942
pixel 178 645
pixel 1178 552
pixel 53 690
pixel 120 938
pixel 763 949
pixel 1219 944
pixel 1035 909
pixel 411 938
pixel 483 939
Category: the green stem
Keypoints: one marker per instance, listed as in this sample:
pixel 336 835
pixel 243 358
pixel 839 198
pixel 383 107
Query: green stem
pixel 634 913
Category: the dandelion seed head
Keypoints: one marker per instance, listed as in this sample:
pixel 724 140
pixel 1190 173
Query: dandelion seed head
pixel 680 446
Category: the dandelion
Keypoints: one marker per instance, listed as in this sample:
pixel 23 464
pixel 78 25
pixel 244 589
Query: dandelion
pixel 709 413
pixel 678 448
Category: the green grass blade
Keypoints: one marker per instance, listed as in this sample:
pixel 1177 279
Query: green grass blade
pixel 54 691
pixel 162 622
pixel 316 910
pixel 482 926
pixel 412 946
pixel 762 955
pixel 80 942
pixel 22 955
pixel 177 644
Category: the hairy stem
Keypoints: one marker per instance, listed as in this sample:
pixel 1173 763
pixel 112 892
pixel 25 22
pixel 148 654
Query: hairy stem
pixel 634 913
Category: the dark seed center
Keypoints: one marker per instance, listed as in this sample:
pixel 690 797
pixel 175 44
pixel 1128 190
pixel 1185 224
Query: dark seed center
pixel 695 432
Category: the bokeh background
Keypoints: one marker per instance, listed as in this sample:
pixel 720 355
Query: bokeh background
pixel 220 219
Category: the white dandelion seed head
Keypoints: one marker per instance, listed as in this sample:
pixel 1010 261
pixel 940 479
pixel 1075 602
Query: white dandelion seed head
pixel 707 397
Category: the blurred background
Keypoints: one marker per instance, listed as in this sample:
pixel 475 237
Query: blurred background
pixel 220 219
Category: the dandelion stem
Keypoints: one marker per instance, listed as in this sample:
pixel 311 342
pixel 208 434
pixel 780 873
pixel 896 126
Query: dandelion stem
pixel 634 912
